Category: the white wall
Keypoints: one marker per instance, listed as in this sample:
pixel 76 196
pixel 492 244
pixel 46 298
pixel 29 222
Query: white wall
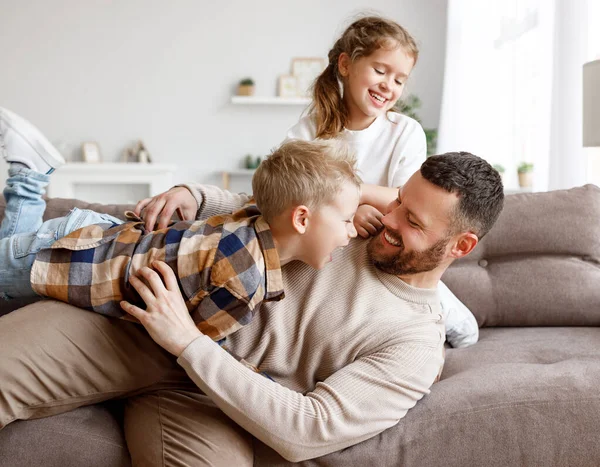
pixel 116 71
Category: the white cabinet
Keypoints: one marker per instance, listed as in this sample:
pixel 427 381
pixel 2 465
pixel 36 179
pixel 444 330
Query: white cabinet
pixel 110 182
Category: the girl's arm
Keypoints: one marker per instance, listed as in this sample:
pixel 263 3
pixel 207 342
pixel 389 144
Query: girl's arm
pixel 378 196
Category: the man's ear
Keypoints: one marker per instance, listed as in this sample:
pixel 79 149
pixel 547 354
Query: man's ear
pixel 464 244
pixel 300 217
pixel 344 64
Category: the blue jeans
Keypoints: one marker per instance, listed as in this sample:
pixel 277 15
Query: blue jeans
pixel 23 234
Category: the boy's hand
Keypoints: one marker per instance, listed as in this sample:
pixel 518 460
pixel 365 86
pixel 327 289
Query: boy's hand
pixel 161 207
pixel 367 220
pixel 166 317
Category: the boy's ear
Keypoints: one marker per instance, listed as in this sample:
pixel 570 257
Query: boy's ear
pixel 464 244
pixel 344 64
pixel 300 216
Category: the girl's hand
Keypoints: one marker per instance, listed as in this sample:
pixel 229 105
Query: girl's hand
pixel 166 317
pixel 367 220
pixel 161 207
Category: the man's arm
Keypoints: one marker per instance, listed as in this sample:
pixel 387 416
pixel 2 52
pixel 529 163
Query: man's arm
pixel 192 202
pixel 354 404
pixel 213 200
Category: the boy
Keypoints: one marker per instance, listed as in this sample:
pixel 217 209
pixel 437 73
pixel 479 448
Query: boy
pixel 306 195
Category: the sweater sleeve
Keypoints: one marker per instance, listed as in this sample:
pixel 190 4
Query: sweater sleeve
pixel 409 153
pixel 213 200
pixel 355 403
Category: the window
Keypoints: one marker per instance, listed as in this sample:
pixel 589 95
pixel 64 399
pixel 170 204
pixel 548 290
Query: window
pixel 593 53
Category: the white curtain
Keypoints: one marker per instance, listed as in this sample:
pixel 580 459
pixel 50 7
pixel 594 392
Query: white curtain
pixel 512 86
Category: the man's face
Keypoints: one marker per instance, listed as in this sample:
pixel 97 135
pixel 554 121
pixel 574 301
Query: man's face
pixel 416 236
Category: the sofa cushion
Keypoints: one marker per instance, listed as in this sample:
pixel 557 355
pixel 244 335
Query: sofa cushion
pixel 89 436
pixel 520 396
pixel 539 265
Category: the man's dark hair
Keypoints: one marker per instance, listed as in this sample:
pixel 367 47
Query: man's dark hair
pixel 476 183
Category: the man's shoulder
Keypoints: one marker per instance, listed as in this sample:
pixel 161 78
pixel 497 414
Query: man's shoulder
pixel 349 271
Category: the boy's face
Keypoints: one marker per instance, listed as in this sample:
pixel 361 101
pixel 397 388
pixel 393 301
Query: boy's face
pixel 331 226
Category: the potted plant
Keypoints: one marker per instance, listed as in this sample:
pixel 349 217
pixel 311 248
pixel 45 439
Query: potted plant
pixel 500 169
pixel 408 106
pixel 246 87
pixel 525 171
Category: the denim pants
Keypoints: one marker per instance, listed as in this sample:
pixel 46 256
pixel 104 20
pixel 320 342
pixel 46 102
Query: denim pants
pixel 23 234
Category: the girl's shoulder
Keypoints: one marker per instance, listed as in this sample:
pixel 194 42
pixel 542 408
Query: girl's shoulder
pixel 402 120
pixel 401 126
pixel 305 129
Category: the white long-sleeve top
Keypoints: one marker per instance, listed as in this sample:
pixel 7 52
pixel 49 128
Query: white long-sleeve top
pixel 351 350
pixel 389 151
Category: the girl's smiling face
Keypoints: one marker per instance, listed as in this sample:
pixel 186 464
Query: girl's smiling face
pixel 373 84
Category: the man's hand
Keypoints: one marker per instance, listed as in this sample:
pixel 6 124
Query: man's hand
pixel 161 207
pixel 367 220
pixel 166 317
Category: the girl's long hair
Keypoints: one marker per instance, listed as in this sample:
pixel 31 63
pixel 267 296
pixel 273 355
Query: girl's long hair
pixel 360 39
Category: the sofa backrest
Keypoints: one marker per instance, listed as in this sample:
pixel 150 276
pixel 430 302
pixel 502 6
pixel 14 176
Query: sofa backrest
pixel 539 265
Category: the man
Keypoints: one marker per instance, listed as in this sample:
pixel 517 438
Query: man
pixel 350 349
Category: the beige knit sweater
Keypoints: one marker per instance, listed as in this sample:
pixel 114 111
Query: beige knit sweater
pixel 351 350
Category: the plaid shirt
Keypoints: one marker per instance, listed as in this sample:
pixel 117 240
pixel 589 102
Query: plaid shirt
pixel 226 266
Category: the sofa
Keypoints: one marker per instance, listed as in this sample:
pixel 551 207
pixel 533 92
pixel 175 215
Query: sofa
pixel 527 394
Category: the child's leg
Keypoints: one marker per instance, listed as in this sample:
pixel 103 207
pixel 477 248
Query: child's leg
pixel 24 204
pixel 32 157
pixel 17 252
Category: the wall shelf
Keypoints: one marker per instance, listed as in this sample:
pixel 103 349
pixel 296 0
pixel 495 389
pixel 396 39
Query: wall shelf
pixel 227 174
pixel 266 100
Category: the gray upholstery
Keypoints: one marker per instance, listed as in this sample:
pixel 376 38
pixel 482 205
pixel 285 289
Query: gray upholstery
pixel 525 395
pixel 539 265
pixel 519 397
pixel 89 436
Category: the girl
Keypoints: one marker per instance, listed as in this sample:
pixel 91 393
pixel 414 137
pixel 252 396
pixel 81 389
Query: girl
pixel 353 100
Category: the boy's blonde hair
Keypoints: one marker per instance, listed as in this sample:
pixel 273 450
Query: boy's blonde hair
pixel 303 172
pixel 363 37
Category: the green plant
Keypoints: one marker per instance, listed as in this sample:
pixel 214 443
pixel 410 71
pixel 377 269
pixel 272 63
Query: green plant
pixel 499 168
pixel 408 107
pixel 525 167
pixel 247 82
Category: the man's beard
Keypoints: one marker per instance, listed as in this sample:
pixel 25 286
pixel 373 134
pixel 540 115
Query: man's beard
pixel 403 262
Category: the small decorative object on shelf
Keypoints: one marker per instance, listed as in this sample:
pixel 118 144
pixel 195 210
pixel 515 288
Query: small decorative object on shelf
pixel 252 162
pixel 306 70
pixel 500 169
pixel 90 152
pixel 525 171
pixel 246 87
pixel 288 86
pixel 136 153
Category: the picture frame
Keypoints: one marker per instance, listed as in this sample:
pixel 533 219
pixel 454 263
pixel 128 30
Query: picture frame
pixel 90 151
pixel 306 70
pixel 288 86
